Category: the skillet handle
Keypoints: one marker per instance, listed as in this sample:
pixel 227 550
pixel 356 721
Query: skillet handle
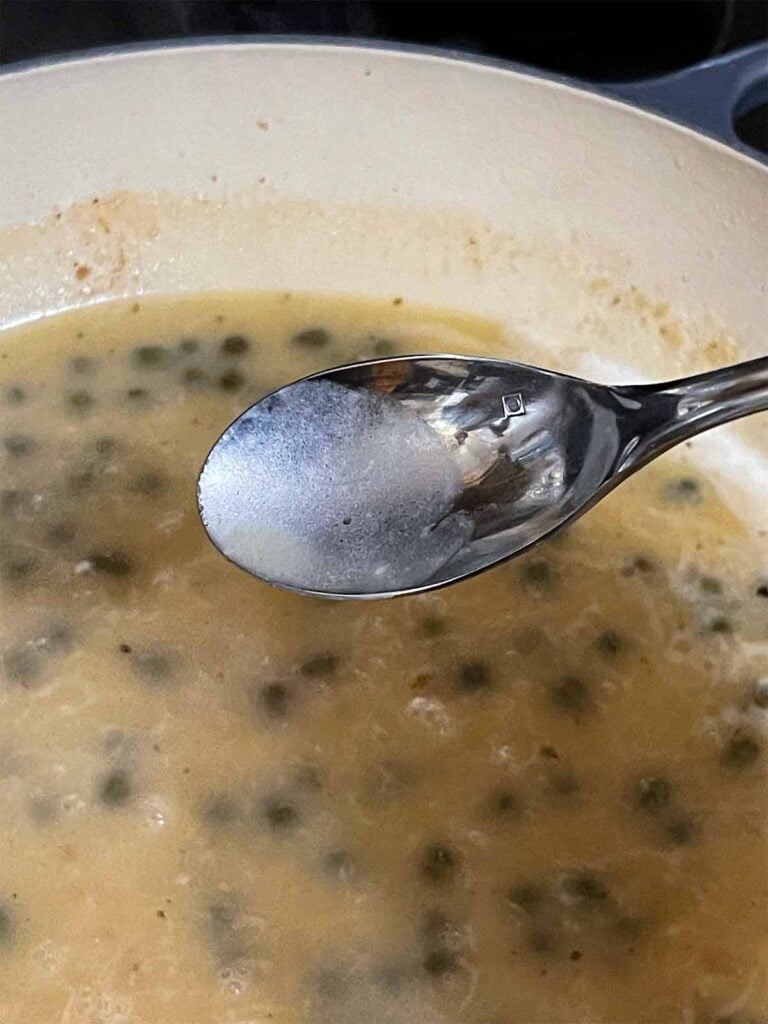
pixel 707 96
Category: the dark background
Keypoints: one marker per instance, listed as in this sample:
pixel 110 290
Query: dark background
pixel 597 41
pixel 600 41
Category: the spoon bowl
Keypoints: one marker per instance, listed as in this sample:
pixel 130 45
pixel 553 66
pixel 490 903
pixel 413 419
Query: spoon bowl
pixel 396 476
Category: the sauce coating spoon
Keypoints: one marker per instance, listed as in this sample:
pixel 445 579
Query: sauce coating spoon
pixel 401 475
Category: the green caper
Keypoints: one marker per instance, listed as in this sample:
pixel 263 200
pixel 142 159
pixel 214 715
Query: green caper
pixel 542 940
pixel 115 789
pixel 585 887
pixel 221 810
pixel 14 395
pixel 721 625
pixel 312 337
pixel 528 896
pixel 280 814
pixel 639 565
pixel 235 345
pixel 274 699
pixel 472 676
pixel 61 533
pixel 137 396
pixel 231 381
pixel 384 347
pixel 439 962
pixel 439 863
pixel 150 357
pixel 740 752
pixel 540 573
pixel 570 694
pixel 80 401
pixel 505 803
pixel 17 568
pixel 193 377
pixel 432 625
pixel 153 667
pixel 653 793
pixel 339 865
pixel 710 585
pixel 23 665
pixel 680 830
pixel 83 366
pixel 7 925
pixel 13 502
pixel 149 484
pixel 610 643
pixel 19 446
pixel 111 563
pixel 685 491
pixel 324 664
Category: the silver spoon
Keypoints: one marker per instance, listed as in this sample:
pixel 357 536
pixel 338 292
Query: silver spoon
pixel 401 475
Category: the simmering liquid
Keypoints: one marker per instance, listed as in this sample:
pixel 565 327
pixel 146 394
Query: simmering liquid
pixel 538 797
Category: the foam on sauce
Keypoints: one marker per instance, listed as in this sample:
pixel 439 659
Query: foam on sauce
pixel 535 797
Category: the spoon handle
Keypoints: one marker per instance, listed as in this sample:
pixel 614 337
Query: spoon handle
pixel 666 414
